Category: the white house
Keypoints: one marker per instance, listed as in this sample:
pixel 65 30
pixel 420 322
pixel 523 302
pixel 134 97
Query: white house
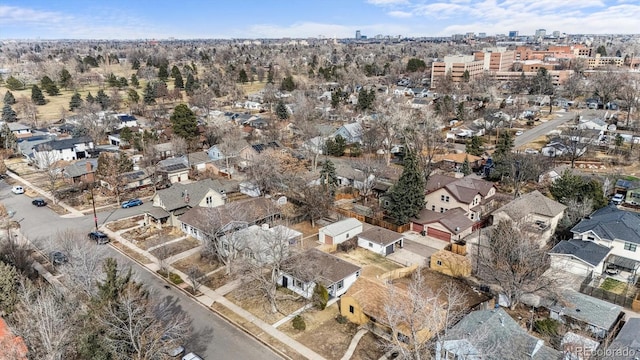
pixel 301 273
pixel 380 240
pixel 352 132
pixel 126 120
pixel 340 231
pixel 49 152
pixel 261 244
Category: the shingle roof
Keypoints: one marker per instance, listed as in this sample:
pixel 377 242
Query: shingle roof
pixel 455 220
pixel 79 168
pixel 331 269
pixel 62 144
pixel 533 202
pixel 173 197
pixel 463 189
pixel 380 235
pixel 611 223
pixel 247 211
pixel 627 339
pixel 587 309
pixel 494 335
pixel 341 226
pixel 587 251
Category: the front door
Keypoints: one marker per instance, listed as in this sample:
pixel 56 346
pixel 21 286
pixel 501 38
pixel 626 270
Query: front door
pixel 285 282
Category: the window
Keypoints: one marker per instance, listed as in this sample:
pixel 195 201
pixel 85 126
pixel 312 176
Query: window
pixel 630 246
pixel 340 284
pixel 347 235
pixel 297 283
pixel 358 273
pixel 209 200
pixel 441 210
pixel 351 309
pixel 433 208
pixel 439 263
pixel 444 198
pixel 370 244
pixel 590 238
pixel 473 216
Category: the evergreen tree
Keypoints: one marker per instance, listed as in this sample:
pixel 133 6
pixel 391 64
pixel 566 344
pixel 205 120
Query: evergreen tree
pixel 90 99
pixel 122 82
pixel 328 176
pixel 466 168
pixel 14 84
pixel 76 101
pixel 336 96
pixel 112 80
pixel 190 85
pixel 149 96
pixel 281 111
pixel 103 99
pixel 115 281
pixel 175 71
pixel 406 197
pixel 177 81
pixel 8 114
pixel 184 122
pixel 36 95
pixel 601 50
pixel 366 99
pixel 415 64
pixel 270 75
pixel 574 187
pixel 288 84
pixel 242 76
pixel 9 98
pixel 336 146
pixel 135 65
pixel 134 81
pixel 163 73
pixel 65 78
pixel 505 144
pixel 474 146
pixel 49 86
pixel 133 96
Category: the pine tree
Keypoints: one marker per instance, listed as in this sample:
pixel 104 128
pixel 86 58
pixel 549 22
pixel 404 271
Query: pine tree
pixel 9 98
pixel 76 101
pixel 65 78
pixel 163 73
pixel 8 114
pixel 406 197
pixel 49 86
pixel 466 167
pixel 133 96
pixel 328 176
pixel 190 85
pixel 112 80
pixel 288 84
pixel 336 146
pixel 134 81
pixel 474 146
pixel 90 99
pixel 281 111
pixel 175 71
pixel 135 65
pixel 14 84
pixel 184 122
pixel 36 95
pixel 122 82
pixel 242 76
pixel 270 75
pixel 149 96
pixel 103 99
pixel 177 81
pixel 505 144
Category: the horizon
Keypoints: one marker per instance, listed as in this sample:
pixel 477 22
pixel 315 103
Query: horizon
pixel 297 19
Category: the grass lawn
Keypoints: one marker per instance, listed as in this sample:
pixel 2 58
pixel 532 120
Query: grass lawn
pixel 614 286
pixel 258 305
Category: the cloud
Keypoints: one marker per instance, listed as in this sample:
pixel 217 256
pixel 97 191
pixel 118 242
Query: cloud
pixel 387 2
pixel 400 14
pixel 13 15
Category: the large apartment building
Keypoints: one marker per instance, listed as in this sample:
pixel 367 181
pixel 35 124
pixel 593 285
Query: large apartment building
pixel 496 59
pixel 457 65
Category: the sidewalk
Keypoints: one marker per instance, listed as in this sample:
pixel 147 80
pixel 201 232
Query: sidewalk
pixel 211 296
pixel 72 212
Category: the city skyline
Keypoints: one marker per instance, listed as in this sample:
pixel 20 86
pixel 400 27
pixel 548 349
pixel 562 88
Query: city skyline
pixel 117 19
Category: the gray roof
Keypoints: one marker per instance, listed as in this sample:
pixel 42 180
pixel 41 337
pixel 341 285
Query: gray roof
pixel 628 339
pixel 381 236
pixel 587 251
pixel 341 226
pixel 173 164
pixel 533 202
pixel 79 168
pixel 587 309
pixel 173 197
pixel 328 269
pixel 63 144
pixel 17 126
pixel 494 335
pixel 611 223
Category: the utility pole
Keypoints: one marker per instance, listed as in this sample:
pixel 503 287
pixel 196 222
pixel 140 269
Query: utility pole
pixel 93 203
pixel 478 246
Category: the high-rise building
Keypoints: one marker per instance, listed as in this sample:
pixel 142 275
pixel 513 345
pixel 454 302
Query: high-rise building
pixel 541 33
pixel 513 33
pixel 556 34
pixel 358 35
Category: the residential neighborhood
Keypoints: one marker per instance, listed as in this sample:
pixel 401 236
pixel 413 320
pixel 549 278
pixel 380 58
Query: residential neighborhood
pixel 387 197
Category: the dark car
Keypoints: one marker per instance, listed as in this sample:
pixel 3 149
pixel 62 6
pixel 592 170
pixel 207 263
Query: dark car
pixel 130 203
pixel 99 237
pixel 58 258
pixel 39 202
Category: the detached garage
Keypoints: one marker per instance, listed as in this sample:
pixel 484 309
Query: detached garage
pixel 340 231
pixel 380 240
pixel 448 226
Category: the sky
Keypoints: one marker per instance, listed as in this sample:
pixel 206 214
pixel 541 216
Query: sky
pixel 248 19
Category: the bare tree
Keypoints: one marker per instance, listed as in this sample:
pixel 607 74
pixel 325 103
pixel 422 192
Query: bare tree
pixel 514 260
pixel 371 168
pixel 629 93
pixel 577 142
pixel 605 84
pixel 195 276
pixel 49 163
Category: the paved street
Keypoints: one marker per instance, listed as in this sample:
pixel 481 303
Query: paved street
pixel 543 129
pixel 213 337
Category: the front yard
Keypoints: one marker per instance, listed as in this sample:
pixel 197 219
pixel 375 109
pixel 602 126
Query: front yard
pixel 146 237
pixel 255 303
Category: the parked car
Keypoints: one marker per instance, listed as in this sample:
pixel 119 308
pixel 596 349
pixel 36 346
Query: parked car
pixel 177 351
pixel 17 190
pixel 99 237
pixel 131 203
pixel 617 199
pixel 531 151
pixel 39 202
pixel 519 132
pixel 58 258
pixel 192 356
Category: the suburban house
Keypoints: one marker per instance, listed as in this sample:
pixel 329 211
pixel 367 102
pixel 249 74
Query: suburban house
pixel 584 312
pixel 351 133
pixel 557 149
pixel 302 272
pixel 47 153
pixel 20 130
pixel 251 151
pixel 126 120
pixel 173 170
pixel 207 223
pixel 198 161
pixel 164 150
pixel 259 244
pixel 579 257
pixel 340 231
pixel 450 263
pixel 380 240
pixel 534 213
pixel 492 334
pixel 470 193
pixel 137 179
pixel 80 171
pixel 626 345
pixel 449 226
pixel 618 230
pixel 174 201
pixel 454 161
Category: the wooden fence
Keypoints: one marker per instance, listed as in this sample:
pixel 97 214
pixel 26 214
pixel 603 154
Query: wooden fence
pixel 374 221
pixel 398 273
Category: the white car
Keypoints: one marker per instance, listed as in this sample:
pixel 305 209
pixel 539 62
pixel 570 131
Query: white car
pixel 617 199
pixel 192 356
pixel 519 132
pixel 17 190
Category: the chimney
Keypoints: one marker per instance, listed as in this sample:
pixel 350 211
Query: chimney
pixel 89 166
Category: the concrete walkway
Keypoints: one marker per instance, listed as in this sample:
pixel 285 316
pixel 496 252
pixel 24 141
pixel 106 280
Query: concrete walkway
pixel 354 343
pixel 72 211
pixel 292 315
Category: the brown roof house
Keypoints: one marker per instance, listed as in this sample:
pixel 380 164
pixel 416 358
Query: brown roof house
pixel 449 226
pixel 470 193
pixel 534 213
pixel 304 271
pixel 380 240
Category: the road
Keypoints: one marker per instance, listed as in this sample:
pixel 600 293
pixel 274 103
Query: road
pixel 213 338
pixel 542 129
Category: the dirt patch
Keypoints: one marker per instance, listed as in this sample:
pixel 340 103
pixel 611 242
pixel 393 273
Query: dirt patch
pixel 131 253
pixel 257 304
pixel 323 334
pixel 124 223
pixel 175 248
pixel 146 237
pixel 204 264
pixel 217 279
pixel 372 264
pixel 369 348
pixel 305 228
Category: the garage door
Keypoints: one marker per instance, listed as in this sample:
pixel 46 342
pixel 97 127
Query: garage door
pixel 389 250
pixel 417 227
pixel 438 234
pixel 328 240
